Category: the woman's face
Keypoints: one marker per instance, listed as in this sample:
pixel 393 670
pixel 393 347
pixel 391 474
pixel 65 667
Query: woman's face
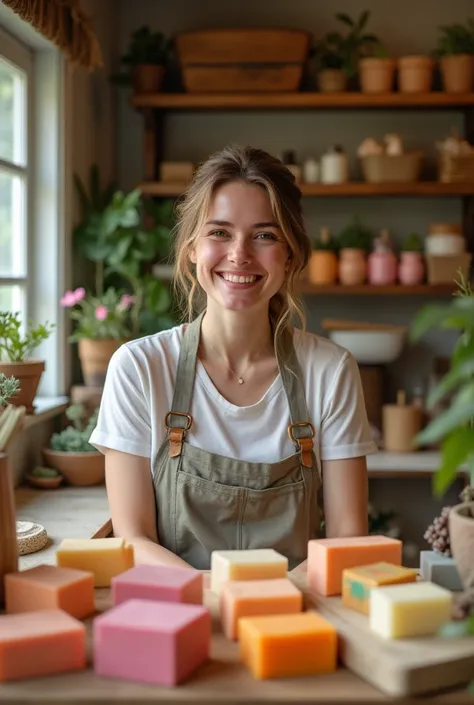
pixel 241 252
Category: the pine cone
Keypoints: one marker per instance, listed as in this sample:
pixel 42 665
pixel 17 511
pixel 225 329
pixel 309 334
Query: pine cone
pixel 437 533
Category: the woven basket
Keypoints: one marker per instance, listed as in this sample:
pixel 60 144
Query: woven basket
pixel 445 270
pixel 386 168
pixel 455 168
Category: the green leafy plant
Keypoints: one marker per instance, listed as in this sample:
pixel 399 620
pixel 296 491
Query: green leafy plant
pixel 342 51
pixel 455 39
pixel 453 427
pixel 145 47
pixel 412 243
pixel 75 437
pixel 16 346
pixel 356 236
pixel 324 242
pixel 9 386
pixel 44 472
pixel 103 317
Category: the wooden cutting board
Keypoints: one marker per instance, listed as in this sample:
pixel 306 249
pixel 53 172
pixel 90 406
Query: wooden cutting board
pixel 398 667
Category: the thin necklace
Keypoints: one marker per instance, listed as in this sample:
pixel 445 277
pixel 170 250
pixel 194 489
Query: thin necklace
pixel 240 378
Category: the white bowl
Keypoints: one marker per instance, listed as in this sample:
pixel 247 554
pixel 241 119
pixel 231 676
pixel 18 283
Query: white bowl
pixel 371 347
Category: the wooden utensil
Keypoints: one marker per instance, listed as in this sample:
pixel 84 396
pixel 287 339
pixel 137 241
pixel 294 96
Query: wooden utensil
pixel 336 324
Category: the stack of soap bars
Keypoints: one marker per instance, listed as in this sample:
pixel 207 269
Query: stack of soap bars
pixel 159 615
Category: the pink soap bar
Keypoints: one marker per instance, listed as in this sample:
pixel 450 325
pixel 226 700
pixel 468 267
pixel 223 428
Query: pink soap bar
pixel 151 642
pixel 158 582
pixel 40 643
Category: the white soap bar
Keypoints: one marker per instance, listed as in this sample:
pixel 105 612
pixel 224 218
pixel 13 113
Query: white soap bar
pixel 254 564
pixel 411 609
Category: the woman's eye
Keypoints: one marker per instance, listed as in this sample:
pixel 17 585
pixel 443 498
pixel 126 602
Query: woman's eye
pixel 266 236
pixel 219 233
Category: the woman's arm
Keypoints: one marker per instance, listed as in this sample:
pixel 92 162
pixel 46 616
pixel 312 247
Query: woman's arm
pixel 345 490
pixel 132 506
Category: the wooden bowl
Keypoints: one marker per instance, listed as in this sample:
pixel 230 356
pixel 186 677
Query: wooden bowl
pixel 79 469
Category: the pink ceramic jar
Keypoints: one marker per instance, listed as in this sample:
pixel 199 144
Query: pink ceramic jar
pixel 411 270
pixel 382 267
pixel 352 266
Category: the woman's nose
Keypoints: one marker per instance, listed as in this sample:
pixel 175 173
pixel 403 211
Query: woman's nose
pixel 239 252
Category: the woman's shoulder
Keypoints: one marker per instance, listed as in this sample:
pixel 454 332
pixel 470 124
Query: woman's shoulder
pixel 313 349
pixel 165 344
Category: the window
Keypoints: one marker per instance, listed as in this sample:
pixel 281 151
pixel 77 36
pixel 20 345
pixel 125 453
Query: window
pixel 15 192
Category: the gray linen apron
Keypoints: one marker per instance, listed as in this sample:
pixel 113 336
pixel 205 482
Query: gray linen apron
pixel 208 502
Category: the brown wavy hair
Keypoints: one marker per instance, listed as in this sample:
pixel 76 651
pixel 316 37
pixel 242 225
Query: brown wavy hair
pixel 256 167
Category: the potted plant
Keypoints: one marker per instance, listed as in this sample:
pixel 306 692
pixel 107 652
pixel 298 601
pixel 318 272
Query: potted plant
pixel 455 51
pixel 337 54
pixel 354 242
pixel 454 427
pixel 146 59
pixel 322 266
pixel 70 452
pixel 16 347
pixel 377 70
pixel 411 268
pixel 415 73
pixel 44 478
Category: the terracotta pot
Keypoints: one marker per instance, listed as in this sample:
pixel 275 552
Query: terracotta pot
pixel 411 269
pixel 29 374
pixel 147 78
pixel 45 483
pixel 95 357
pixel 352 266
pixel 457 73
pixel 79 469
pixel 415 74
pixel 322 267
pixel 461 534
pixel 332 81
pixel 377 75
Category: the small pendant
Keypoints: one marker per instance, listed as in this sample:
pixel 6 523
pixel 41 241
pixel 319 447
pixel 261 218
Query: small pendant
pixel 241 381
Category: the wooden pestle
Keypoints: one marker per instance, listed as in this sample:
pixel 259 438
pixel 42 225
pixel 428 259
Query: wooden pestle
pixel 8 540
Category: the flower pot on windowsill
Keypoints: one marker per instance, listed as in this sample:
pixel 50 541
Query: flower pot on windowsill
pixel 28 373
pixel 79 469
pixel 95 356
pixel 147 78
pixel 457 73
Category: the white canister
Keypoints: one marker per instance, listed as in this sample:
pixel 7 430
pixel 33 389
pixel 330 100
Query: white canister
pixel 311 171
pixel 445 240
pixel 334 166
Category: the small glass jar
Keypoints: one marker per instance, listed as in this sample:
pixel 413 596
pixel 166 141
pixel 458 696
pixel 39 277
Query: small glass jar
pixel 334 166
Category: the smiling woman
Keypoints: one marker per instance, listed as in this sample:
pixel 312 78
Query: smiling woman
pixel 219 432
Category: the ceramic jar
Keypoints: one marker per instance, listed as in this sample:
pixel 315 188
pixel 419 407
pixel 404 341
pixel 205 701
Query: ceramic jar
pixel 411 269
pixel 334 166
pixel 352 266
pixel 382 267
pixel 445 240
pixel 322 267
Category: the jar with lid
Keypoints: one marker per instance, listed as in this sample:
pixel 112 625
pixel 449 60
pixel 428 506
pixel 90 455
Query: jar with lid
pixel 310 170
pixel 382 265
pixel 445 240
pixel 334 166
pixel 289 160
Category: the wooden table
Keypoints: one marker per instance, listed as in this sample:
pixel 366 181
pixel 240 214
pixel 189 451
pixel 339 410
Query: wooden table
pixel 223 679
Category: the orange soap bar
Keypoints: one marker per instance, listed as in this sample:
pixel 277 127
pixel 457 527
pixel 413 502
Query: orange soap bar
pixel 288 645
pixel 43 643
pixel 327 558
pixel 245 598
pixel 47 587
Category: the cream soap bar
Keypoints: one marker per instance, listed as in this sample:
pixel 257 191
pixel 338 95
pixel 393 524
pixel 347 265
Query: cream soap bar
pixel 246 598
pixel 256 564
pixel 413 609
pixel 328 558
pixel 105 558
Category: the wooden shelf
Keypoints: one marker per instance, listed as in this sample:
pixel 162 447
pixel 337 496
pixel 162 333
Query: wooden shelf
pixel 354 188
pixel 372 290
pixel 299 100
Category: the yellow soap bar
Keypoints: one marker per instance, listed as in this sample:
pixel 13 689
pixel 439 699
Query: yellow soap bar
pixel 251 598
pixel 253 564
pixel 287 645
pixel 414 609
pixel 105 558
pixel 358 582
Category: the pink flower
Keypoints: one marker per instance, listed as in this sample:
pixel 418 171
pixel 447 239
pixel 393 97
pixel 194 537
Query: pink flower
pixel 79 294
pixel 68 300
pixel 125 302
pixel 101 312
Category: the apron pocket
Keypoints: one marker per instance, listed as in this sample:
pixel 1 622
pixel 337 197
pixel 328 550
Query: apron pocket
pixel 207 518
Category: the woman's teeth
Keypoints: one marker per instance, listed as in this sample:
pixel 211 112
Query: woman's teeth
pixel 239 280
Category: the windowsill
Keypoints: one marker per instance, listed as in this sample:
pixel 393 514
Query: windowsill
pixel 46 408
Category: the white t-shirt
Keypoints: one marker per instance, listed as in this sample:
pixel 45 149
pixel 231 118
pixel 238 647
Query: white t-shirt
pixel 138 393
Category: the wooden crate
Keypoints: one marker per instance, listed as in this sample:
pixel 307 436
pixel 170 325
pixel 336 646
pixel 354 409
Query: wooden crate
pixel 242 60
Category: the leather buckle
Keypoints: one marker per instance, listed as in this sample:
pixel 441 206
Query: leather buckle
pixel 305 443
pixel 177 433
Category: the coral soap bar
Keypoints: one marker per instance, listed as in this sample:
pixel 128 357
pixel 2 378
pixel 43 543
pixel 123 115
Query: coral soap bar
pixel 288 645
pixel 41 643
pixel 256 564
pixel 328 558
pixel 245 598
pixel 105 558
pixel 50 587
pixel 416 609
pixel 151 642
pixel 358 582
pixel 158 582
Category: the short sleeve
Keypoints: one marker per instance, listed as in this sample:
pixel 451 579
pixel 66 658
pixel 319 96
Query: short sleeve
pixel 123 423
pixel 345 430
